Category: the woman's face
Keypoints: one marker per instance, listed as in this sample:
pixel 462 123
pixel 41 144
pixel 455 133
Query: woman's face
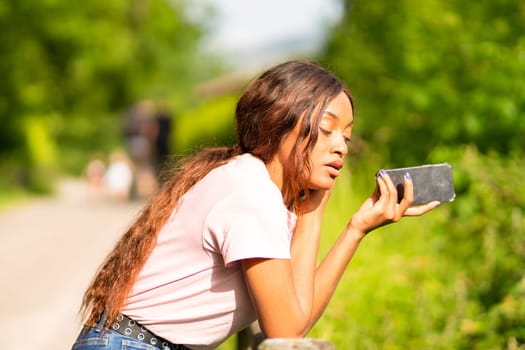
pixel 335 131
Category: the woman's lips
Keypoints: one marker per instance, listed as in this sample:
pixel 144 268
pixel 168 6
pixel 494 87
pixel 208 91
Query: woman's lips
pixel 334 167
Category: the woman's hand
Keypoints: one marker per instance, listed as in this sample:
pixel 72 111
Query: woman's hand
pixel 315 202
pixel 382 207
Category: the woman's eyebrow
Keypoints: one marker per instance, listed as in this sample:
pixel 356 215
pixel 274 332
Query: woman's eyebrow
pixel 333 115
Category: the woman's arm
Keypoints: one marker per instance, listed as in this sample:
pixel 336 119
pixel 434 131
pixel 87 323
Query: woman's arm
pixel 290 295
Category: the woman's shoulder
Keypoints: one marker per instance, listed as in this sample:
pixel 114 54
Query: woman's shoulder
pixel 245 176
pixel 247 169
pixel 252 175
pixel 248 163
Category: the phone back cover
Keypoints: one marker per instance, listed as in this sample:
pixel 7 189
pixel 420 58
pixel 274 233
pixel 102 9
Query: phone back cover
pixel 431 182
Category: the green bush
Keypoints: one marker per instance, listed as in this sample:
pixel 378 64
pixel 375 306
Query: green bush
pixel 208 124
pixel 452 279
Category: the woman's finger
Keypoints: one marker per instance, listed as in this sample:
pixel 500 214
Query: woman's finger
pixel 408 197
pixel 408 194
pixel 384 195
pixel 391 207
pixel 422 209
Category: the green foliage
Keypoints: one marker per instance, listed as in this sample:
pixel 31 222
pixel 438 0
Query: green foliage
pixel 488 224
pixel 41 155
pixel 208 124
pixel 453 279
pixel 72 69
pixel 436 81
pixel 433 73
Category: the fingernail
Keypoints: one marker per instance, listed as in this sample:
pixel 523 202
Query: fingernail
pixel 407 175
pixel 437 205
pixel 382 171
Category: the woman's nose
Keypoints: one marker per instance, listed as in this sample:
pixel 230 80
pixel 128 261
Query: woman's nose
pixel 340 145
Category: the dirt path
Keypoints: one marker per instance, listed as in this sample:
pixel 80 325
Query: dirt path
pixel 49 250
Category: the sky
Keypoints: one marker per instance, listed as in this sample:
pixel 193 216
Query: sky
pixel 249 31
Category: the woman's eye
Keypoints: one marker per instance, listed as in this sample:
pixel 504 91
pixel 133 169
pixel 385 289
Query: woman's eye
pixel 325 131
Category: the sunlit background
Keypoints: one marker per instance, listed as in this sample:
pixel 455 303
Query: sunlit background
pixel 433 82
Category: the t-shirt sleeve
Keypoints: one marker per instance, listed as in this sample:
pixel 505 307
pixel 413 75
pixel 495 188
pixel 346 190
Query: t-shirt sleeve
pixel 244 226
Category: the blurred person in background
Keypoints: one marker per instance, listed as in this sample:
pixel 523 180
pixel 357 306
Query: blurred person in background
pixel 118 178
pixel 164 120
pixel 94 173
pixel 140 133
pixel 233 235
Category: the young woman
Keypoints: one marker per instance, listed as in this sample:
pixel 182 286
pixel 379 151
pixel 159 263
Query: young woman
pixel 233 236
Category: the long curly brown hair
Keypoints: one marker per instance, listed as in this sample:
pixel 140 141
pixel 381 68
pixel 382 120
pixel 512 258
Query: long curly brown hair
pixel 270 108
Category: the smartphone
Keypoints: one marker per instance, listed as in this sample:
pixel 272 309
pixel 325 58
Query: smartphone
pixel 432 182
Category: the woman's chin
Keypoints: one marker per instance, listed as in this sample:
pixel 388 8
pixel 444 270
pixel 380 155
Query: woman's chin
pixel 324 184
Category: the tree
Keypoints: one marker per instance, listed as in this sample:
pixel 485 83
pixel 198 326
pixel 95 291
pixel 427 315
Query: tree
pixel 69 69
pixel 434 73
pixel 440 81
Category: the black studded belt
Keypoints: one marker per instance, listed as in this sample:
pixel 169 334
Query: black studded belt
pixel 130 328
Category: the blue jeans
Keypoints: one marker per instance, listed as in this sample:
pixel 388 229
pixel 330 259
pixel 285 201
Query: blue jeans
pixel 99 338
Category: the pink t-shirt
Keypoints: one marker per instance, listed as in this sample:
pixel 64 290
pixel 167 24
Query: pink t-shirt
pixel 191 290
